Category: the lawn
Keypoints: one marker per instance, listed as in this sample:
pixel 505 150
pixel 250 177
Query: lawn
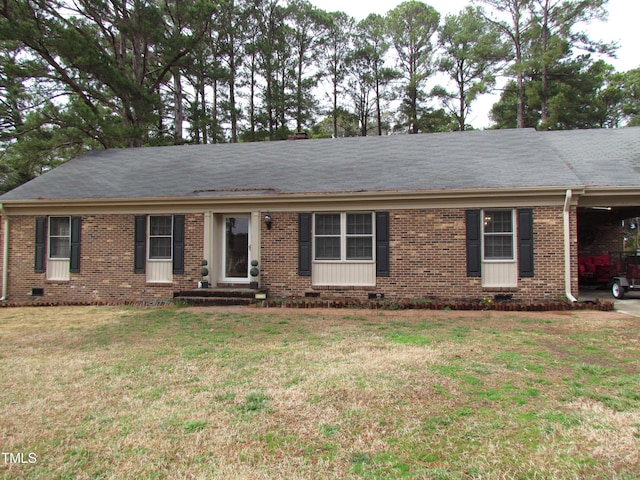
pixel 240 393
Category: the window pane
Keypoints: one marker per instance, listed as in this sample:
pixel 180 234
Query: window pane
pixel 160 225
pixel 59 247
pixel 359 248
pixel 327 248
pixel 328 224
pixel 359 224
pixel 59 237
pixel 160 248
pixel 497 221
pixel 59 226
pixel 498 247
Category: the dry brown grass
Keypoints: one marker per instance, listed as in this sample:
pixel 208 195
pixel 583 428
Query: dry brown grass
pixel 98 392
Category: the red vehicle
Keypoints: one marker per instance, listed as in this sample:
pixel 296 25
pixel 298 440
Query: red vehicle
pixel 625 273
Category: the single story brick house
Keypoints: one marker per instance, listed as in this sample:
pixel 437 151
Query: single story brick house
pixel 449 215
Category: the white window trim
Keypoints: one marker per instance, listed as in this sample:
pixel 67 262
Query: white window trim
pixel 500 272
pixel 58 268
pixel 49 237
pixel 513 258
pixel 149 236
pixel 343 238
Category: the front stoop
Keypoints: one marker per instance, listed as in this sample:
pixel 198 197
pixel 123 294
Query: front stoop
pixel 216 296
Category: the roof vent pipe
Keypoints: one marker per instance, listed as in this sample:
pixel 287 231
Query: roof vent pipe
pixel 567 246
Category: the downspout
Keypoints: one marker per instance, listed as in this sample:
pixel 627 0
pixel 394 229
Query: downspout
pixel 567 247
pixel 5 255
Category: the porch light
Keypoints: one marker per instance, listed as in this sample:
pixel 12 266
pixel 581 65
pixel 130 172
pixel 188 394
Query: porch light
pixel 267 220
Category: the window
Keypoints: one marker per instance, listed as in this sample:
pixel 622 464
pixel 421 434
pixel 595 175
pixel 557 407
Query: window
pixel 494 252
pixel 328 236
pixel 159 246
pixel 359 236
pixel 160 237
pixel 498 235
pixel 57 247
pixel 343 236
pixel 60 237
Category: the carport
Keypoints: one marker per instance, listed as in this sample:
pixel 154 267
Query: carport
pixel 607 239
pixel 607 164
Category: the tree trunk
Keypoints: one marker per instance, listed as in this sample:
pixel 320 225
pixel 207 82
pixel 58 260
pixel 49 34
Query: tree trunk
pixel 178 111
pixel 299 95
pixel 544 115
pixel 232 77
pixel 214 113
pixel 462 111
pixel 335 107
pixel 203 114
pixel 378 112
pixel 252 95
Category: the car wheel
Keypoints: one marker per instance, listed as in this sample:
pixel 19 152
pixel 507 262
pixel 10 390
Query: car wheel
pixel 617 290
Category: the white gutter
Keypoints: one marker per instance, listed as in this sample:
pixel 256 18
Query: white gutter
pixel 567 247
pixel 5 256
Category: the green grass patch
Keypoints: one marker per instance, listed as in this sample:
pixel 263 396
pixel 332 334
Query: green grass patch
pixel 194 426
pixel 345 394
pixel 254 402
pixel 409 339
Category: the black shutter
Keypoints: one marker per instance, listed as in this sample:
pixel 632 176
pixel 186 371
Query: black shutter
pixel 41 238
pixel 178 244
pixel 525 242
pixel 140 249
pixel 74 266
pixel 304 244
pixel 474 255
pixel 382 244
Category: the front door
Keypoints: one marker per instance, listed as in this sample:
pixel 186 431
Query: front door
pixel 236 248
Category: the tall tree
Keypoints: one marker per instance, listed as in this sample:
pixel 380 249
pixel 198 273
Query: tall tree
pixel 554 36
pixel 368 60
pixel 42 126
pixel 581 95
pixel 231 32
pixel 360 88
pixel 629 83
pixel 472 52
pixel 338 47
pixel 251 72
pixel 272 51
pixel 108 54
pixel 306 35
pixel 512 18
pixel 412 25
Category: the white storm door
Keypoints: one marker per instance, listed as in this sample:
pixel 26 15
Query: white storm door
pixel 235 248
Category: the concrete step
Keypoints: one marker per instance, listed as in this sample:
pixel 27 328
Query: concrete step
pixel 210 301
pixel 217 296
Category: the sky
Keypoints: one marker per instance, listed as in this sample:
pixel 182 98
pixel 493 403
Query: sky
pixel 620 27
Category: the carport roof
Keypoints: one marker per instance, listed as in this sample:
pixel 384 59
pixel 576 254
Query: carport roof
pixel 493 159
pixel 600 157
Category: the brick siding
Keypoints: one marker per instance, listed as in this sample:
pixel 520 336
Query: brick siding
pixel 604 237
pixel 106 263
pixel 427 259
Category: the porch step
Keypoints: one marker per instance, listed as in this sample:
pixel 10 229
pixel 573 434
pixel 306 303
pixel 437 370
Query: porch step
pixel 217 296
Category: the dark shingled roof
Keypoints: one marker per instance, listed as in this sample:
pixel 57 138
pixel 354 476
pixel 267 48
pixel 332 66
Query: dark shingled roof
pixel 500 159
pixel 604 157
